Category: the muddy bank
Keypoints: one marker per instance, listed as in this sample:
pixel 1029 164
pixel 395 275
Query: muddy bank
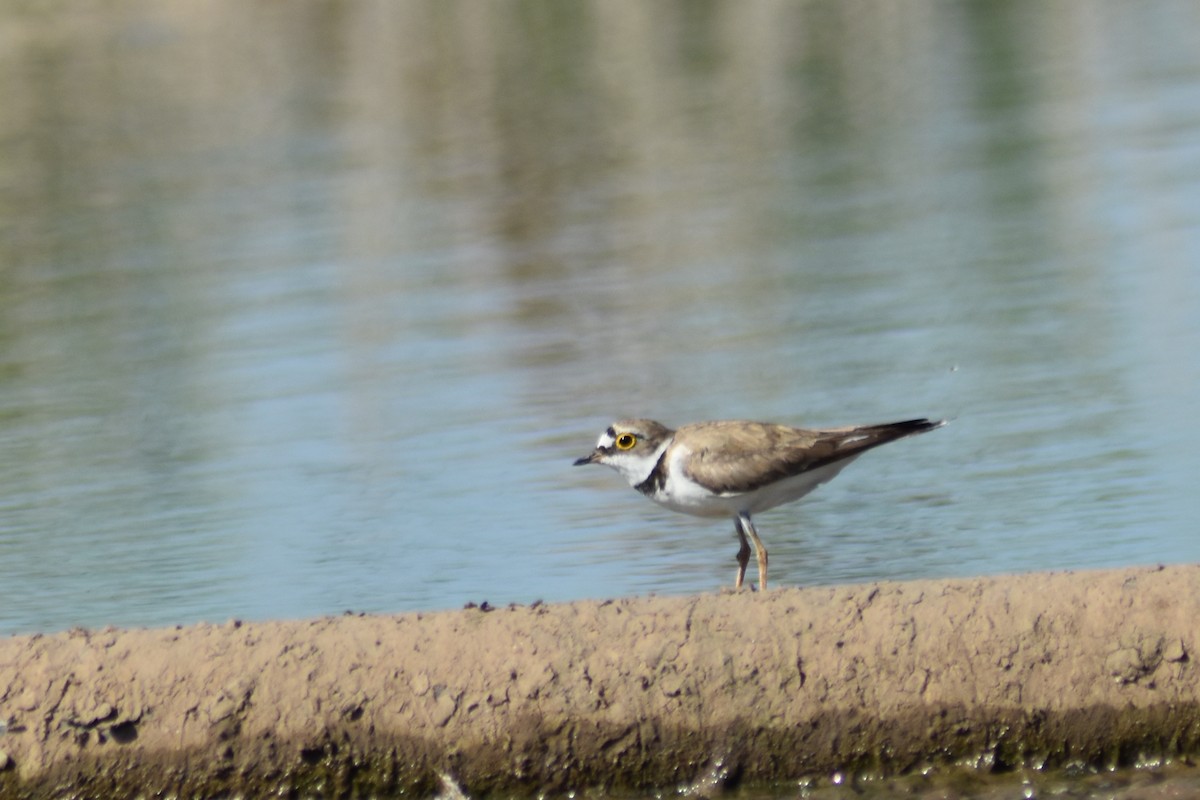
pixel 1040 669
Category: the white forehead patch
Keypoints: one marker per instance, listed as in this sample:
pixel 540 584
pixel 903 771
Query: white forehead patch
pixel 605 440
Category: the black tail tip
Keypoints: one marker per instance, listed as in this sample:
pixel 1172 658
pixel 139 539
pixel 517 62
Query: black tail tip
pixel 919 425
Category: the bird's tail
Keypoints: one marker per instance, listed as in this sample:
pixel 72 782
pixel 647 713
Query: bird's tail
pixel 911 426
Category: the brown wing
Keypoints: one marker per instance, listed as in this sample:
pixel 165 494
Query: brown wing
pixel 733 456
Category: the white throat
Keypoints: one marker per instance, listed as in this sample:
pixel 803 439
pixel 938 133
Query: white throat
pixel 636 468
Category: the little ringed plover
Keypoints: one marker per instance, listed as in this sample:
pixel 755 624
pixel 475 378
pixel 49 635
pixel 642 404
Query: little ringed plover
pixel 736 468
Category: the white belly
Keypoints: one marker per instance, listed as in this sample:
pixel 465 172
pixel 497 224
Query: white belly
pixel 687 497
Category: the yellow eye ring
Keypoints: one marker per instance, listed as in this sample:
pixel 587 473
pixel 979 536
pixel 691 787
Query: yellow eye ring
pixel 626 441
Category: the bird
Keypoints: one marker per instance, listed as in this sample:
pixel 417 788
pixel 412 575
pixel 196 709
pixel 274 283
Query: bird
pixel 736 468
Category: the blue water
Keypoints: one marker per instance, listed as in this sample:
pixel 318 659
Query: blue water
pixel 309 308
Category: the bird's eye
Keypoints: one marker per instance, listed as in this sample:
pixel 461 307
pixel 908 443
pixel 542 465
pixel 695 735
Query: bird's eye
pixel 626 441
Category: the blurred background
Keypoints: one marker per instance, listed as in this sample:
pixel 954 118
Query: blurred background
pixel 309 306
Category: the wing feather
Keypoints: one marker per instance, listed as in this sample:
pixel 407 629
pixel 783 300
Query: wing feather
pixel 732 456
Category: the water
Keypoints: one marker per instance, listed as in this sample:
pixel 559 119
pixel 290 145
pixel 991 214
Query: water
pixel 309 307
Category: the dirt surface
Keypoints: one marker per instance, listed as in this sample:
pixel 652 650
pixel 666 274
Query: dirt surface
pixel 1091 668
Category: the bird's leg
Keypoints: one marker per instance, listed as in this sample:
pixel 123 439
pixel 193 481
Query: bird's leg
pixel 743 554
pixel 746 528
